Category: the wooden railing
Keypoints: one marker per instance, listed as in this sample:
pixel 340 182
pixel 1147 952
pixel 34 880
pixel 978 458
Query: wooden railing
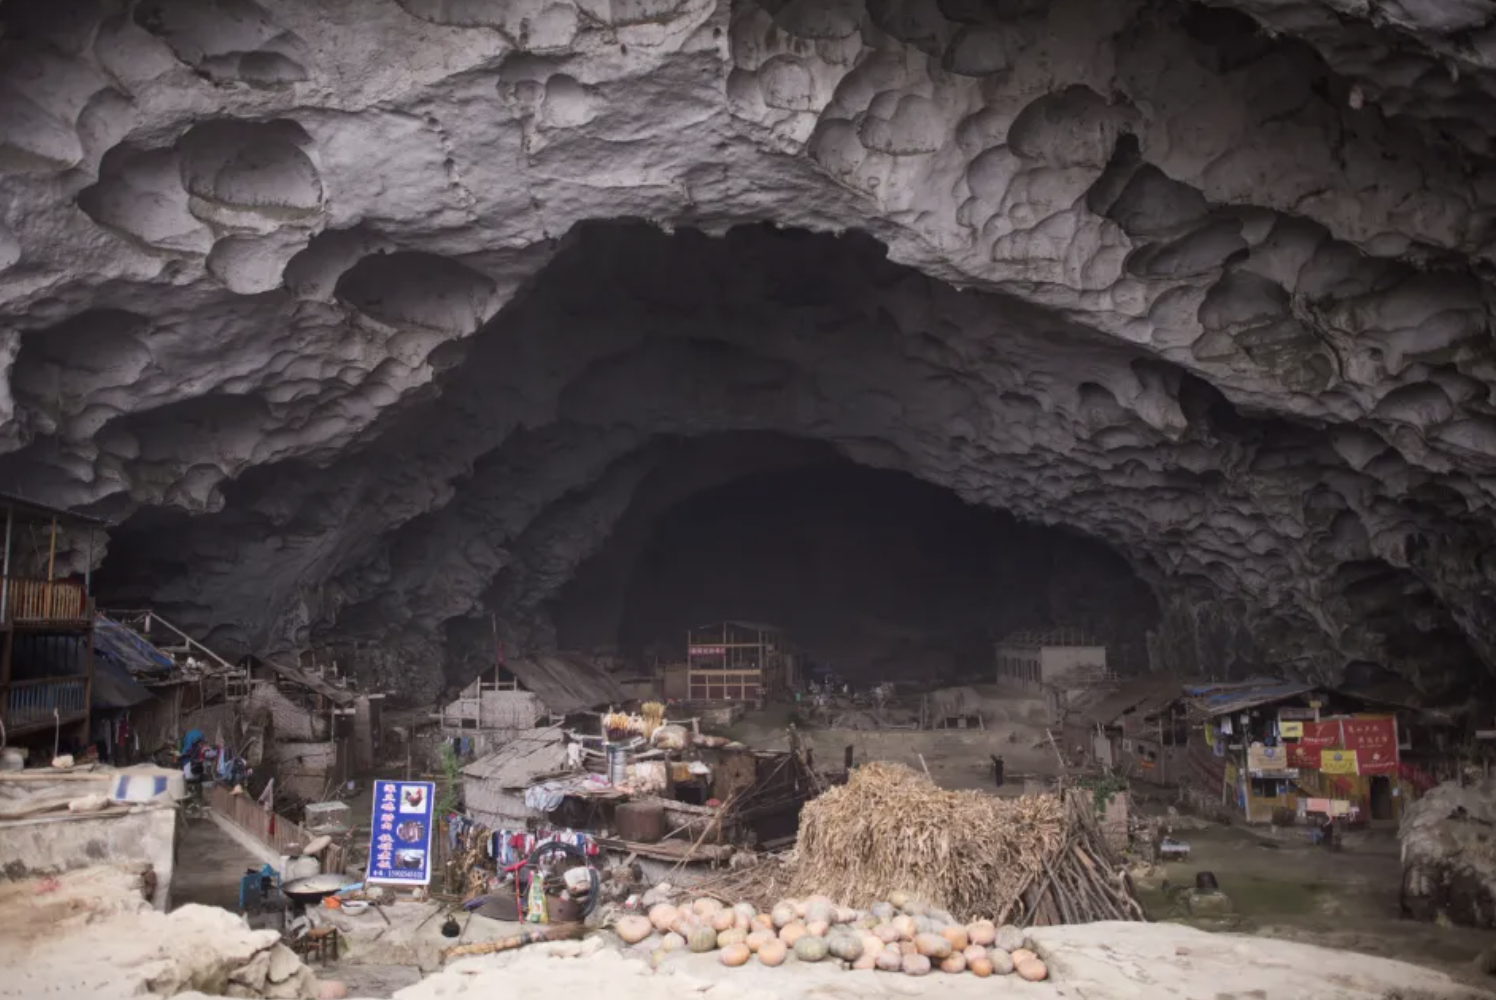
pixel 38 601
pixel 30 704
pixel 274 831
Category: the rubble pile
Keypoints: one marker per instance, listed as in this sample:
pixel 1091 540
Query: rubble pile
pixel 113 944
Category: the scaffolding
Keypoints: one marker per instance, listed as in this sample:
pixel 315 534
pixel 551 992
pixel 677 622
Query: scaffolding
pixel 737 661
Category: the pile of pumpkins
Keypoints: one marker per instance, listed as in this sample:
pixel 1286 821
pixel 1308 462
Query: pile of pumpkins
pixel 898 935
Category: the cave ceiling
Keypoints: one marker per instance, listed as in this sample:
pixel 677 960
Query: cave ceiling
pixel 371 320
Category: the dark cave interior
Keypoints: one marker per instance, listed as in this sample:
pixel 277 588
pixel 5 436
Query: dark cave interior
pixel 879 574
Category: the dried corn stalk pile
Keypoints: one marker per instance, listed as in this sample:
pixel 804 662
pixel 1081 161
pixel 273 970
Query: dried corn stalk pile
pixel 890 829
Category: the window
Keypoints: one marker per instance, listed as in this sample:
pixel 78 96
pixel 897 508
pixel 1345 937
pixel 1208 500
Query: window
pixel 1265 788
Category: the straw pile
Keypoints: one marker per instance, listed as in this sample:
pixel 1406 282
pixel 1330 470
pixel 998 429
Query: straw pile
pixel 890 829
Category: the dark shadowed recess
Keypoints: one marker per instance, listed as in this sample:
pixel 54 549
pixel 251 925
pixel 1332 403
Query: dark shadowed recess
pixel 878 573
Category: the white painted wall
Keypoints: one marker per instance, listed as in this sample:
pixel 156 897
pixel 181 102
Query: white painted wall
pixel 1058 662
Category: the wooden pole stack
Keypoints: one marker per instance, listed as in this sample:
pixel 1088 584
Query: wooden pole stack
pixel 1082 883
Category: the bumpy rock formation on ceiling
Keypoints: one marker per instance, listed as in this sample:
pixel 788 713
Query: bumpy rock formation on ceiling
pixel 321 300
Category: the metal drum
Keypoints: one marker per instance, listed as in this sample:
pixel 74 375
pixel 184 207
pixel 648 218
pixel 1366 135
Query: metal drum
pixel 618 764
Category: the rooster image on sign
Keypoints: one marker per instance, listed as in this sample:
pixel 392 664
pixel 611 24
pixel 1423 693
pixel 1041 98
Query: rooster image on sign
pixel 412 799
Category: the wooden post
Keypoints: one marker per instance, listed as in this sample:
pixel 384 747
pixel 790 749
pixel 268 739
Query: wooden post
pixel 88 684
pixel 10 516
pixel 51 566
pixel 1163 760
pixel 5 658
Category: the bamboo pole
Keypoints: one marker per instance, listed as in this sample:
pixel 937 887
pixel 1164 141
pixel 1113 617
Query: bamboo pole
pixel 51 565
pixel 10 517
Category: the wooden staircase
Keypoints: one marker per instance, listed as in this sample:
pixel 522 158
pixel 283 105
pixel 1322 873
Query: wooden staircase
pixel 237 681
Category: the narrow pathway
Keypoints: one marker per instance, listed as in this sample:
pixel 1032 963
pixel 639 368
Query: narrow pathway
pixel 209 866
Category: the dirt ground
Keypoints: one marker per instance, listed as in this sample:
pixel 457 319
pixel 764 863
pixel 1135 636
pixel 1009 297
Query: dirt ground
pixel 1287 888
pixel 1281 888
pixel 1013 729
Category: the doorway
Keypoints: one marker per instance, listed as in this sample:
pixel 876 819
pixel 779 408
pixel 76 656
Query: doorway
pixel 1383 805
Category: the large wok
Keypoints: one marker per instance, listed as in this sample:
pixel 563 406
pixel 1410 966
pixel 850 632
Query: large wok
pixel 314 889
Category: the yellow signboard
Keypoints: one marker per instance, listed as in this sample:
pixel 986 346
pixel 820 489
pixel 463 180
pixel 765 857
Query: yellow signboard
pixel 1338 762
pixel 1291 730
pixel 1266 760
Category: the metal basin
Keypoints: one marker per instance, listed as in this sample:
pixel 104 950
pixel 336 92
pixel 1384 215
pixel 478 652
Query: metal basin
pixel 314 888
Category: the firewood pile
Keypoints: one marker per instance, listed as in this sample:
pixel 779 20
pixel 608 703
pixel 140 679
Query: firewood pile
pixel 1081 882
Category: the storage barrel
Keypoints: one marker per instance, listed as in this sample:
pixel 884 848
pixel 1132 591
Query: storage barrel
pixel 641 822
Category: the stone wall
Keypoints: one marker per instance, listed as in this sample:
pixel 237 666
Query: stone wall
pixel 50 845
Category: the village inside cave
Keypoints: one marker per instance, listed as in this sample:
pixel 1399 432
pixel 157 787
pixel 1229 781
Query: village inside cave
pixel 767 498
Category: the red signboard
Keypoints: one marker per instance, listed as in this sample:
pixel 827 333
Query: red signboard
pixel 1302 757
pixel 1370 734
pixel 1377 761
pixel 1320 735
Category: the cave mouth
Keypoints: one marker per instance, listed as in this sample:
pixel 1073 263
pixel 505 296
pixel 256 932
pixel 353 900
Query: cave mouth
pixel 871 573
pixel 514 497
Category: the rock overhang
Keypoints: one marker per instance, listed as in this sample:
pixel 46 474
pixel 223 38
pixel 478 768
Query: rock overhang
pixel 1226 304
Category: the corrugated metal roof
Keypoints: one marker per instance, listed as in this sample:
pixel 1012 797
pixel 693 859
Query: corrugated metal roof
pixel 35 508
pixel 530 754
pixel 1223 698
pixel 1103 706
pixel 567 682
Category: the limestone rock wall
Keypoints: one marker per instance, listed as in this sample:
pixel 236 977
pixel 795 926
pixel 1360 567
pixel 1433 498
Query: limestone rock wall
pixel 1449 861
pixel 322 303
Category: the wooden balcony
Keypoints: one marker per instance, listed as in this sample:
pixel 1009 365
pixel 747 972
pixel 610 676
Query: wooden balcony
pixel 29 705
pixel 45 603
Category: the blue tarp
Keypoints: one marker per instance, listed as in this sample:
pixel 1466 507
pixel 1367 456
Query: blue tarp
pixel 38 657
pixel 1220 699
pixel 122 660
pixel 113 687
pixel 127 649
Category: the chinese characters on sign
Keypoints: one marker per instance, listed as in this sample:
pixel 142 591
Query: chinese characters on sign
pixel 400 845
pixel 1321 734
pixel 1338 762
pixel 1343 746
pixel 1368 734
pixel 1268 762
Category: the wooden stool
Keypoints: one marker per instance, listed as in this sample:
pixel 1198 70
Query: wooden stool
pixel 319 942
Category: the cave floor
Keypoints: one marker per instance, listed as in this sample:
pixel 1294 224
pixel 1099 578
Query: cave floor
pixel 1286 888
pixel 955 758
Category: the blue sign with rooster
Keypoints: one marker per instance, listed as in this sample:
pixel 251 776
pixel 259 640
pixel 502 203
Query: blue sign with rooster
pixel 400 847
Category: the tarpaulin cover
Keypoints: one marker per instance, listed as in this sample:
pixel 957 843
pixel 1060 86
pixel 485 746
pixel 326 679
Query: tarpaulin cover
pixel 115 642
